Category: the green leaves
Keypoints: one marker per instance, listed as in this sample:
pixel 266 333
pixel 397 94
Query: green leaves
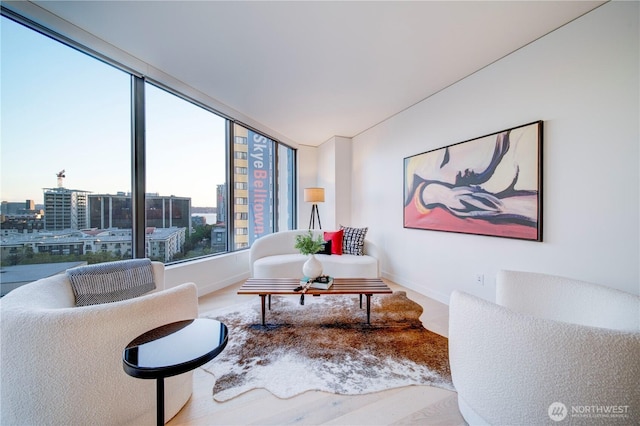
pixel 307 245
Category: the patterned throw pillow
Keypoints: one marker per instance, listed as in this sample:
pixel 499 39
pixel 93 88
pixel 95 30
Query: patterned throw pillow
pixel 111 281
pixel 353 240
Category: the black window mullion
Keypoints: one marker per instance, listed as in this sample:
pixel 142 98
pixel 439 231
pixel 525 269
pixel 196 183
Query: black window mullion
pixel 276 186
pixel 138 183
pixel 230 193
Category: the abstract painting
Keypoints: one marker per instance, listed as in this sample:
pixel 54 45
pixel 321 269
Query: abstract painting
pixel 490 185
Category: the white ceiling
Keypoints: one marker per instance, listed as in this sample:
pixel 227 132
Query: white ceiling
pixel 313 70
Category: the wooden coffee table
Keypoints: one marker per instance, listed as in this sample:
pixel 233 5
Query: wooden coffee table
pixel 264 287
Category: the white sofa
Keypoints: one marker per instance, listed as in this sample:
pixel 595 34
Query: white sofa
pixel 548 341
pixel 62 364
pixel 274 256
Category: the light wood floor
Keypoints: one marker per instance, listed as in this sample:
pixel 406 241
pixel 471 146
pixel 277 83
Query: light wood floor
pixel 410 405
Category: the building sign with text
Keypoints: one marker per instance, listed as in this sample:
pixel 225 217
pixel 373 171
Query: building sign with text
pixel 260 171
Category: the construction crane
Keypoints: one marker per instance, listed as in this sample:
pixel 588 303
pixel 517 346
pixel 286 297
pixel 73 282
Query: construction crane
pixel 60 175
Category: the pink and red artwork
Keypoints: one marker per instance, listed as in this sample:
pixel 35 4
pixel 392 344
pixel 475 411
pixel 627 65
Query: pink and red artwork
pixel 490 185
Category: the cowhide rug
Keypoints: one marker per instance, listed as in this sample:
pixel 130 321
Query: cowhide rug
pixel 326 345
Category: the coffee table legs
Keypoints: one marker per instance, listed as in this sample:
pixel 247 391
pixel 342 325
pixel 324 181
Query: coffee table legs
pixel 160 401
pixel 262 302
pixel 368 307
pixel 263 305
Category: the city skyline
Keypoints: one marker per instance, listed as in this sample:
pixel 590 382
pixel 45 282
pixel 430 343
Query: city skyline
pixel 62 109
pixel 40 202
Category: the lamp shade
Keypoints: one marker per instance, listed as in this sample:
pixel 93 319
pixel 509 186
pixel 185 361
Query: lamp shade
pixel 314 195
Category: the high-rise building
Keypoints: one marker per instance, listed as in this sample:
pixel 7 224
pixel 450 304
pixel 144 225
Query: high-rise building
pixel 108 211
pixel 253 185
pixel 16 208
pixel 65 209
pixel 240 190
pixel 168 211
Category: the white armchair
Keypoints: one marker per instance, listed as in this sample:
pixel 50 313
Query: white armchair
pixel 547 340
pixel 62 364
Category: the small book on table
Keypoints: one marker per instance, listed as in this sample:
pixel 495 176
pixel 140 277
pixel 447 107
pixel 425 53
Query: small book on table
pixel 322 282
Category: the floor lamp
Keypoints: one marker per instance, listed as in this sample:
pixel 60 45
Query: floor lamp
pixel 315 196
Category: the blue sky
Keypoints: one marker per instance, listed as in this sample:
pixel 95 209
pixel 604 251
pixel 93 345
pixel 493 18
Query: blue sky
pixel 62 109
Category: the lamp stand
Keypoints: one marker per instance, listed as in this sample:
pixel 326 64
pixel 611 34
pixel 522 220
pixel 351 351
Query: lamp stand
pixel 312 219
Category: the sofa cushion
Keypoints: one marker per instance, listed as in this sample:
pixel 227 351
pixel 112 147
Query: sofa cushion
pixel 279 266
pixel 349 266
pixel 111 281
pixel 353 240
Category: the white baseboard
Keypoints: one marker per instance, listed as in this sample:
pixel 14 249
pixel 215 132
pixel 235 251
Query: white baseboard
pixel 219 285
pixel 440 297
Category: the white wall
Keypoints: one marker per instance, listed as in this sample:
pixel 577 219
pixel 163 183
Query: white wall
pixel 343 182
pixel 307 178
pixel 327 180
pixel 583 81
pixel 334 175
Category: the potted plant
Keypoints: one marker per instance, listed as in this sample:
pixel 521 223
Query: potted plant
pixel 309 246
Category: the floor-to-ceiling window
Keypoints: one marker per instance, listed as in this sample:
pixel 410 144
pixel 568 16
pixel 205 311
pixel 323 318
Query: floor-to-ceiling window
pixel 67 127
pixel 286 206
pixel 66 134
pixel 185 165
pixel 263 179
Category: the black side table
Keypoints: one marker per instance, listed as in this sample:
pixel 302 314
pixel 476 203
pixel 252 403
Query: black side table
pixel 173 349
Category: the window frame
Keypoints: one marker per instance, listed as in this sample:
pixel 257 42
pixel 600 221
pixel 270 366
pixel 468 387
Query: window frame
pixel 138 182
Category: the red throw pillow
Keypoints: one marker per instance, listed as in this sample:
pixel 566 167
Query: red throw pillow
pixel 336 241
